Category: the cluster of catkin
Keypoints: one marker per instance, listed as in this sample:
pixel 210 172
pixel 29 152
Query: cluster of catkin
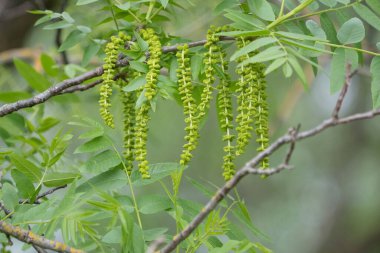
pixel 250 89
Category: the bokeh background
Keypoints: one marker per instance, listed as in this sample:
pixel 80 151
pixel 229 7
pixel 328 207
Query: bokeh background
pixel 329 202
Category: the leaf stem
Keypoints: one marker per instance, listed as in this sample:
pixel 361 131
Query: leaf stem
pixel 282 8
pixel 150 9
pixel 156 12
pixel 113 16
pixel 134 16
pixel 135 206
pixel 348 47
pixel 293 12
pixel 317 13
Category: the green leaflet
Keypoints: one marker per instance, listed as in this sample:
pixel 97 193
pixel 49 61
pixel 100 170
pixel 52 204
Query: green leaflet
pixel 262 9
pixel 72 39
pixel 35 80
pixel 28 168
pixel 58 179
pixel 151 204
pixel 375 5
pixel 268 54
pixel 365 13
pixel 275 65
pixel 93 145
pixel 338 70
pixel 9 196
pixel 84 2
pixel 329 28
pixel 135 84
pixel 299 70
pixel 91 50
pixel 375 83
pixel 329 3
pixel 252 46
pixel 351 31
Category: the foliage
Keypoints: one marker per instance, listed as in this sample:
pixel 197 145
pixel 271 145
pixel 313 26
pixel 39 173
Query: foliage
pixel 102 210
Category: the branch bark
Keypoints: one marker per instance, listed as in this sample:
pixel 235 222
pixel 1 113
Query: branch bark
pixel 343 92
pixel 66 86
pixel 36 240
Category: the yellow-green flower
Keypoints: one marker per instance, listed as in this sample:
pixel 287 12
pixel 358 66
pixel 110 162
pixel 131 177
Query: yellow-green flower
pixel 128 100
pixel 153 62
pixel 141 134
pixel 211 58
pixel 109 70
pixel 189 107
pixel 224 104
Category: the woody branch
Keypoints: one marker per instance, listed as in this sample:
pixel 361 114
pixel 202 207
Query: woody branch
pixel 251 166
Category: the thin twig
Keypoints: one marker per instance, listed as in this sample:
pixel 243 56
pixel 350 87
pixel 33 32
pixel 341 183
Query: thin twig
pixel 81 87
pixel 58 36
pixel 293 133
pixel 5 210
pixel 38 249
pixel 34 239
pixel 343 92
pixel 84 87
pixel 42 195
pixel 49 93
pixel 48 192
pixel 270 171
pixel 60 87
pixel 153 247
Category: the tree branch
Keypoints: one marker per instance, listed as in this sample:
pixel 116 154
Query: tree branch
pixel 343 92
pixel 58 36
pixel 42 195
pixel 34 239
pixel 47 94
pixel 63 87
pixel 5 210
pixel 249 168
pixel 154 246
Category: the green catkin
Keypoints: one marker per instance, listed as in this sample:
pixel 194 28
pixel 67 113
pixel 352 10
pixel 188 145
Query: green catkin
pixel 224 104
pixel 109 67
pixel 153 62
pixel 141 134
pixel 211 57
pixel 246 107
pixel 252 106
pixel 129 100
pixel 189 107
pixel 261 116
pixel 150 90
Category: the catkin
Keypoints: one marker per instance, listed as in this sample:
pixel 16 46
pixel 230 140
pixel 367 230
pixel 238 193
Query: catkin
pixel 246 108
pixel 141 134
pixel 224 104
pixel 153 62
pixel 129 100
pixel 261 116
pixel 211 58
pixel 109 67
pixel 189 107
pixel 252 105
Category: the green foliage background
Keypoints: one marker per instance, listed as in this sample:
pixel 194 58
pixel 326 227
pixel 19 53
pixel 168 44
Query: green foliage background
pixel 328 203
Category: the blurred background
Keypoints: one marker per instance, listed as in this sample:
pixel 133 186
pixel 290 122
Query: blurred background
pixel 328 203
